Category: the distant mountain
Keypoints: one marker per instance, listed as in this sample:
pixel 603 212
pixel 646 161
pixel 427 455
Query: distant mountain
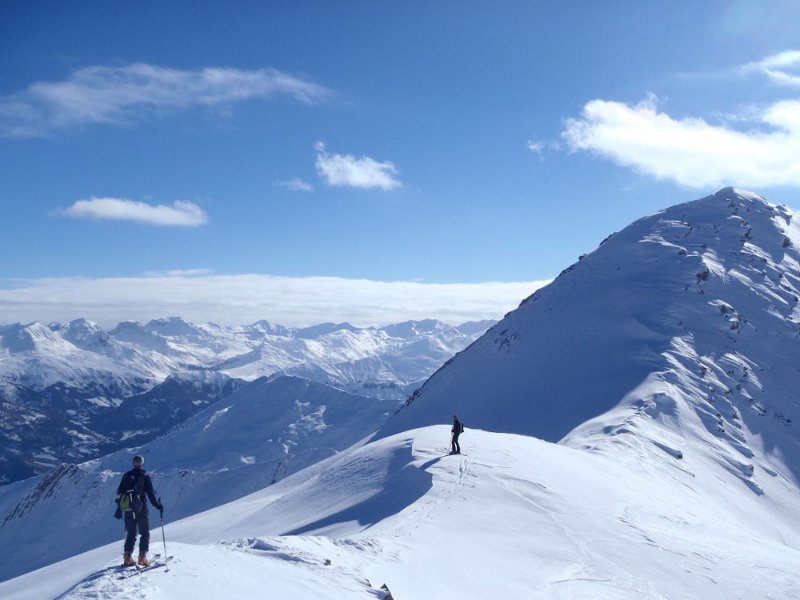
pixel 133 357
pixel 73 391
pixel 41 429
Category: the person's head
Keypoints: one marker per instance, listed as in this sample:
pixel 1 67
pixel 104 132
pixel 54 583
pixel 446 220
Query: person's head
pixel 138 461
pixel 455 417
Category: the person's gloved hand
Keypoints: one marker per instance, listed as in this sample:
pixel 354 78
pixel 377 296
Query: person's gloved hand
pixel 118 513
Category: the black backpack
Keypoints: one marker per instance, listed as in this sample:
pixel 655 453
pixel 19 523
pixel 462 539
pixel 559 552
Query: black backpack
pixel 132 496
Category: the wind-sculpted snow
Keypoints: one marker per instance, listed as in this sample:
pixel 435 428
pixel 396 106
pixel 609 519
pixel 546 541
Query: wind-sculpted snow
pixel 514 517
pixel 682 330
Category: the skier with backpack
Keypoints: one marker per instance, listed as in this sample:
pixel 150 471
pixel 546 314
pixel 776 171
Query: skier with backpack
pixel 457 430
pixel 132 494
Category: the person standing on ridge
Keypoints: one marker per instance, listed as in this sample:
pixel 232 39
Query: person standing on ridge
pixel 457 430
pixel 132 494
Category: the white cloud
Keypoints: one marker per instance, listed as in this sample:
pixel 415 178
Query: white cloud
pixel 782 68
pixel 181 213
pixel 691 151
pixel 295 184
pixel 538 147
pixel 240 299
pixel 114 95
pixel 345 170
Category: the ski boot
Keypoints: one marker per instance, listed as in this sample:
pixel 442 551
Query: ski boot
pixel 127 560
pixel 143 562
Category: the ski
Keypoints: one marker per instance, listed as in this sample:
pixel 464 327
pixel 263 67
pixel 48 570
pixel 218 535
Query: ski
pixel 151 566
pixel 125 572
pixel 136 569
pixel 448 452
pixel 155 563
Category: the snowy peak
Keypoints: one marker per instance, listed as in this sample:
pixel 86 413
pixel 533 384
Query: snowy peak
pixel 172 326
pixel 15 339
pixel 473 327
pixel 316 331
pixel 19 338
pixel 681 330
pixel 138 335
pixel 414 328
pixel 262 328
pixel 729 220
pixel 86 335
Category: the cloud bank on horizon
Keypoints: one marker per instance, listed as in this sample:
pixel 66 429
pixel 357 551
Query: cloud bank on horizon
pixel 693 152
pixel 239 299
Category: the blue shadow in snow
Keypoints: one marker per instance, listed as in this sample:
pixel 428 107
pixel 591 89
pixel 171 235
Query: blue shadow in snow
pixel 404 485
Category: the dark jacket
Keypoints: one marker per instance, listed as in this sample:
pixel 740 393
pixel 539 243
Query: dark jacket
pixel 456 427
pixel 147 486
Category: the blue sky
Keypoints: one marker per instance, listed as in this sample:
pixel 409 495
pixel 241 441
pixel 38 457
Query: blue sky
pixel 314 153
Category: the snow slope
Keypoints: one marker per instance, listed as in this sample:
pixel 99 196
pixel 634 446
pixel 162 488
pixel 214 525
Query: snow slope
pixel 513 517
pixel 681 331
pixel 256 436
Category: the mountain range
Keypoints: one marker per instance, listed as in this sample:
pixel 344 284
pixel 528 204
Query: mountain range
pixel 72 392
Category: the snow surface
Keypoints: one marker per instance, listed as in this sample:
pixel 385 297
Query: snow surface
pixel 631 433
pixel 513 517
pixel 255 437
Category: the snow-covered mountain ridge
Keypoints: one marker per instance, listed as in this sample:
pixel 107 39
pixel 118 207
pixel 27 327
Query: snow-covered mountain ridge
pixel 74 391
pixel 682 330
pixel 133 357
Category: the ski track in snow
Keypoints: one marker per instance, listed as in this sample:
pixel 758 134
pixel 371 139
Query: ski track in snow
pixel 501 521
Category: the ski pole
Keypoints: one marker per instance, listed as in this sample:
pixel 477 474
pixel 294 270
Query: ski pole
pixel 164 537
